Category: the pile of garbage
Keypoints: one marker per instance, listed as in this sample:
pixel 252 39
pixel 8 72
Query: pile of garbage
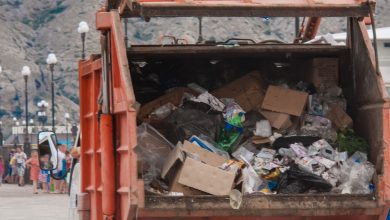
pixel 249 137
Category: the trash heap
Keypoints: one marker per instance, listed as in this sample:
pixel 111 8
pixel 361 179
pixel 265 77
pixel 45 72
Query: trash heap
pixel 252 136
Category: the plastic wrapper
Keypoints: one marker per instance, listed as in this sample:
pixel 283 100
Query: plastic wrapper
pixel 234 115
pixel 208 144
pixel 317 106
pixel 235 199
pixel 228 139
pixel 359 179
pixel 357 157
pixel 152 150
pixel 317 126
pixel 251 181
pixel 299 150
pixel 296 180
pixel 163 111
pixel 328 152
pixel 263 129
pixel 211 100
pixel 266 154
pixel 324 161
pixel 243 152
pixel 287 152
pixel 310 165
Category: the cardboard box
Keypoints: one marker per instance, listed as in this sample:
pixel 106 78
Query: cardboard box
pixel 174 96
pixel 196 177
pixel 279 99
pixel 278 120
pixel 247 91
pixel 338 117
pixel 206 178
pixel 324 71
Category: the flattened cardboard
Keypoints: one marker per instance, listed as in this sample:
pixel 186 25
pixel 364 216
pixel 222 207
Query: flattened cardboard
pixel 324 72
pixel 205 156
pixel 279 99
pixel 338 117
pixel 206 178
pixel 278 120
pixel 247 91
pixel 260 140
pixel 174 96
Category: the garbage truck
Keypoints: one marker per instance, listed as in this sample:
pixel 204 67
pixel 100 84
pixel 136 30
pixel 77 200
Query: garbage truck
pixel 110 93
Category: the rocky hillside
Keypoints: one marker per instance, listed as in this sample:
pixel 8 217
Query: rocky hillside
pixel 30 29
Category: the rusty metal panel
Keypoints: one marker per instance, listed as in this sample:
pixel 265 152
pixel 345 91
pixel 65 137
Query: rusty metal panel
pixel 372 109
pixel 261 205
pixel 244 8
pixel 125 122
pixel 264 50
pixel 89 78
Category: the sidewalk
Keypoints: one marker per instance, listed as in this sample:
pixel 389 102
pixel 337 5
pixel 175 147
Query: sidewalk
pixel 19 203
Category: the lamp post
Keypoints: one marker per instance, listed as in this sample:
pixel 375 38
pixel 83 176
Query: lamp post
pixel 66 127
pixel 17 131
pixel 83 30
pixel 1 138
pixel 52 60
pixel 26 73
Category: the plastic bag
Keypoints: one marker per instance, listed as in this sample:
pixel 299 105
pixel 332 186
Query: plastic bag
pixel 163 111
pixel 228 139
pixel 251 181
pixel 211 100
pixel 263 128
pixel 296 180
pixel 152 149
pixel 359 181
pixel 184 123
pixel 234 115
pixel 317 126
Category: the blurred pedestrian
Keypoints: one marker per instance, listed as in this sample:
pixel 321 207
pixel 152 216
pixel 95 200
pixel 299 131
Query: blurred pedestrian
pixel 8 165
pixel 33 164
pixel 21 158
pixel 1 169
pixel 44 176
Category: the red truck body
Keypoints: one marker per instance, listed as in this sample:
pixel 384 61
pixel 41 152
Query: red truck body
pixel 110 185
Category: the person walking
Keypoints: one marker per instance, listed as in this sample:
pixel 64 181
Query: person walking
pixel 61 169
pixel 21 158
pixel 9 178
pixel 33 164
pixel 1 169
pixel 44 179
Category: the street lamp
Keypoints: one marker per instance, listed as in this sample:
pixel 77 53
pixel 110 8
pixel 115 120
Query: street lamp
pixel 52 60
pixel 1 137
pixel 26 72
pixel 17 130
pixel 66 126
pixel 83 29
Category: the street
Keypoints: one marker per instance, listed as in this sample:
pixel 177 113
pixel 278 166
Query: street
pixel 19 203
